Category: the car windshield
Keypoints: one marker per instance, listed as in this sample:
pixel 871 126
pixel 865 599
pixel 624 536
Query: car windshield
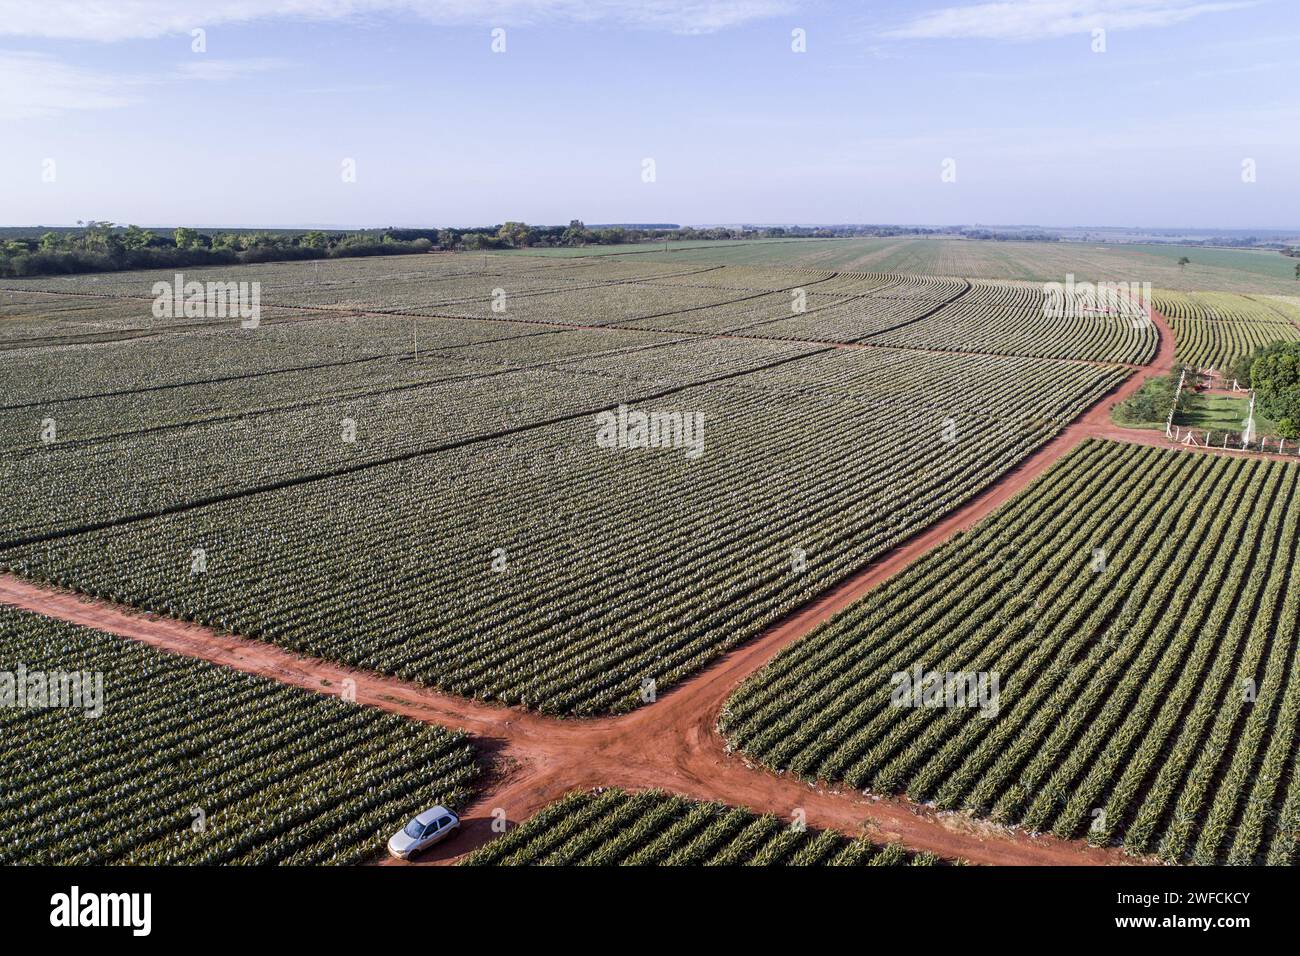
pixel 414 829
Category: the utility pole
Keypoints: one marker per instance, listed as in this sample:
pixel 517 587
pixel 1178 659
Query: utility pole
pixel 1250 422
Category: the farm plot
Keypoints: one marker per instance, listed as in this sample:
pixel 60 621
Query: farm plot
pixel 188 762
pixel 1148 685
pixel 95 304
pixel 1214 329
pixel 1233 270
pixel 611 304
pixel 601 296
pixel 92 474
pixel 339 274
pixel 852 308
pixel 41 379
pixel 613 827
pixel 534 567
pixel 119 388
pixel 1287 305
pixel 457 289
pixel 58 320
pixel 774 278
pixel 1009 319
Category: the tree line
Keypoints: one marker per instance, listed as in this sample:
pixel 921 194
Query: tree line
pixel 104 247
pixel 101 246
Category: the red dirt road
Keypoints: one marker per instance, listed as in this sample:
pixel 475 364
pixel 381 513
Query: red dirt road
pixel 672 743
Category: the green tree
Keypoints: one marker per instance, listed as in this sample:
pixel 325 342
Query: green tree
pixel 1275 377
pixel 137 238
pixel 186 238
pixel 1241 368
pixel 95 237
pixel 577 234
pixel 1183 262
pixel 516 234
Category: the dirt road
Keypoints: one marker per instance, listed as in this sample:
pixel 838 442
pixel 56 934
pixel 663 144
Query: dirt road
pixel 672 743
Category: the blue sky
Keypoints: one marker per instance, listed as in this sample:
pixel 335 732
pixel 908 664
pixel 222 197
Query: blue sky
pixel 1042 129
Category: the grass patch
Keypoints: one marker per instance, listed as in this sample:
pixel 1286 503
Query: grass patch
pixel 1149 407
pixel 1221 413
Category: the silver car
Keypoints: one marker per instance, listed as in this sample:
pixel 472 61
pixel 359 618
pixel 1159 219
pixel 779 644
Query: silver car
pixel 424 831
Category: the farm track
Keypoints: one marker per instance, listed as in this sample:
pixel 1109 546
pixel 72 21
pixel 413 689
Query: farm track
pixel 671 743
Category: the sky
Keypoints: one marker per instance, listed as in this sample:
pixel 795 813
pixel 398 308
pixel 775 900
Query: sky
pixel 349 113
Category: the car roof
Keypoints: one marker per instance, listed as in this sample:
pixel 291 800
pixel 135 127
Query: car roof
pixel 428 816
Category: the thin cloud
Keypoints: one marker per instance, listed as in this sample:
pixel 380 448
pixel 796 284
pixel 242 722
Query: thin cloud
pixel 146 19
pixel 39 85
pixel 346 89
pixel 214 70
pixel 1043 19
pixel 35 85
pixel 1246 69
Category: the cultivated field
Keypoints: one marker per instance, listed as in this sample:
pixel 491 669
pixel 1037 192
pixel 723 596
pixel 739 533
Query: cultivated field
pixel 1231 270
pixel 409 481
pixel 1146 648
pixel 193 763
pixel 1214 328
pixel 650 828
pixel 401 470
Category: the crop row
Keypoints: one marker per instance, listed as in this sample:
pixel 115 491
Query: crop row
pixel 1007 318
pixel 187 762
pixel 651 828
pixel 1144 647
pixel 541 569
pixel 1214 329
